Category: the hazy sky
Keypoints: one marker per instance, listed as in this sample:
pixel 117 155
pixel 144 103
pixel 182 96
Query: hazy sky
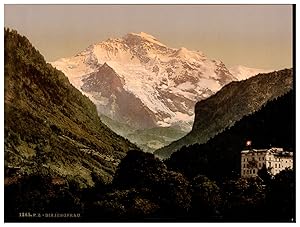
pixel 252 35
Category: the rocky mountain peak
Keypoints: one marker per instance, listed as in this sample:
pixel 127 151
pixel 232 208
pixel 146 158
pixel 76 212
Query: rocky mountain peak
pixel 165 82
pixel 137 38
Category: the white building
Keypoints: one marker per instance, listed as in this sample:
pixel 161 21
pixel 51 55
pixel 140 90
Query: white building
pixel 275 160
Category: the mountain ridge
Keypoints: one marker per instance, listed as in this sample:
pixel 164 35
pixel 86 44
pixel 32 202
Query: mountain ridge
pixel 162 78
pixel 230 106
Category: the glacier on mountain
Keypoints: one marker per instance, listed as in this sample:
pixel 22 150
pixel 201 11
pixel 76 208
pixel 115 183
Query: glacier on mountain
pixel 145 83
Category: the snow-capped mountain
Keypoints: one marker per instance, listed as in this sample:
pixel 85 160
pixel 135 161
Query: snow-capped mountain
pixel 242 72
pixel 140 81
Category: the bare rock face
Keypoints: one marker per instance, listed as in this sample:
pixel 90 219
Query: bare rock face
pixel 138 80
pixel 118 103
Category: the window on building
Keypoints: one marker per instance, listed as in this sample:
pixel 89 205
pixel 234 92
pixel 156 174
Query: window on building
pixel 275 165
pixel 259 158
pixel 253 171
pixel 279 166
pixel 263 158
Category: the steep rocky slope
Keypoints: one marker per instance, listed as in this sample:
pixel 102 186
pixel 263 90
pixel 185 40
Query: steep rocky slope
pixel 231 104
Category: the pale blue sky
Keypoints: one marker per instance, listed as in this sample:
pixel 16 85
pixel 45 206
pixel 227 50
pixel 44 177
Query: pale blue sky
pixel 252 35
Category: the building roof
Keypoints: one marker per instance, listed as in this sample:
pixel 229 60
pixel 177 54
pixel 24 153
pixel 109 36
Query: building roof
pixel 254 150
pixel 274 150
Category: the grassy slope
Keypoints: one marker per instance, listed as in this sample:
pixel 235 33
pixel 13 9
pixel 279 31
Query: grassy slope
pixel 50 127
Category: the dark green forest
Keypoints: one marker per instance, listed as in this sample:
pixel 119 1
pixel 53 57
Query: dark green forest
pixel 60 158
pixel 145 190
pixel 272 126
